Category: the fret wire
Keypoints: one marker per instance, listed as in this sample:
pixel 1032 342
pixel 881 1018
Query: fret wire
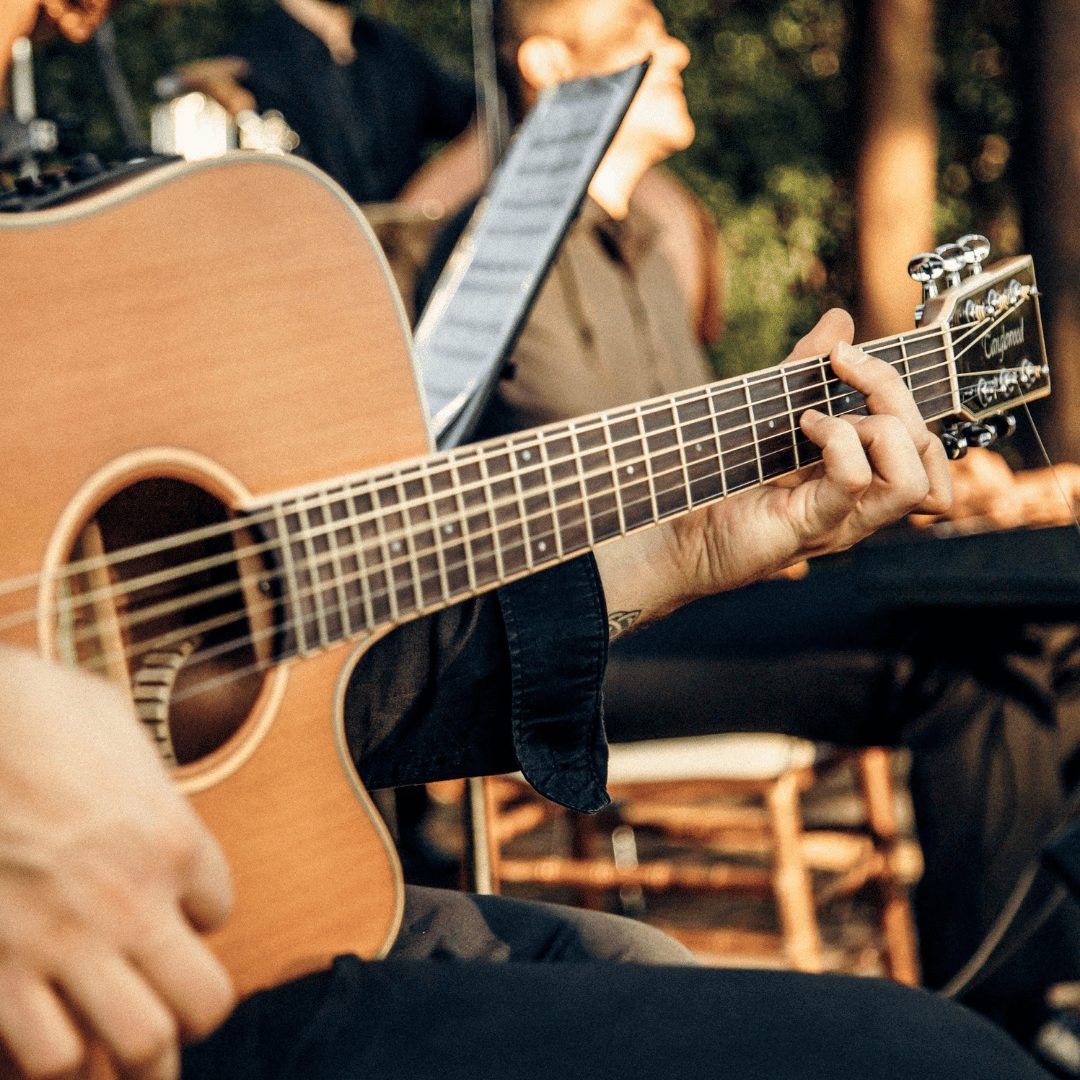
pixel 463 529
pixel 440 549
pixel 906 362
pixel 613 466
pixel 790 413
pixel 825 384
pixel 515 476
pixel 710 401
pixel 338 571
pixel 681 442
pixel 291 580
pixel 361 562
pixel 647 461
pixel 753 429
pixel 579 471
pixel 487 482
pixel 388 568
pixel 307 539
pixel 552 501
pixel 410 542
pixel 936 335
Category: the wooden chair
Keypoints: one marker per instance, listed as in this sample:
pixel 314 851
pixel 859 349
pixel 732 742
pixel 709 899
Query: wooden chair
pixel 725 814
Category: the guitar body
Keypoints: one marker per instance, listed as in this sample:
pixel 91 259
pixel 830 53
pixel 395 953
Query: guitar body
pixel 209 410
pixel 217 332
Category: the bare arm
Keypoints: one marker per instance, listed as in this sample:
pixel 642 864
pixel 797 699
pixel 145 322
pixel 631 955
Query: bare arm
pixel 106 876
pixel 873 471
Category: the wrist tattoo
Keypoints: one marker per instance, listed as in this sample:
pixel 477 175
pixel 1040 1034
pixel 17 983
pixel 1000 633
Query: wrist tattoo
pixel 620 621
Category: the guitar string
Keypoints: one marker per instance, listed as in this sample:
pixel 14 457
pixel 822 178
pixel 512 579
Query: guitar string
pixel 403 508
pixel 811 364
pixel 388 567
pixel 322 617
pixel 419 602
pixel 245 523
pixel 386 618
pixel 326 500
pixel 1069 503
pixel 335 526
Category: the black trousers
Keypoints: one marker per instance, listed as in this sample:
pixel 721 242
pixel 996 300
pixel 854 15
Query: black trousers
pixel 560 1006
pixel 987 699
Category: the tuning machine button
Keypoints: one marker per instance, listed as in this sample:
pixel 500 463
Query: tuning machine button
pixel 980 435
pixel 926 268
pixel 976 251
pixel 955 444
pixel 953 259
pixel 1004 424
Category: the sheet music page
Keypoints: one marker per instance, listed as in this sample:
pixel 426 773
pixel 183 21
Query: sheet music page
pixel 488 286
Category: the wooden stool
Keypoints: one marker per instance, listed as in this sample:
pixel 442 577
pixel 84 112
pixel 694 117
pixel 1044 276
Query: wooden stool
pixel 734 804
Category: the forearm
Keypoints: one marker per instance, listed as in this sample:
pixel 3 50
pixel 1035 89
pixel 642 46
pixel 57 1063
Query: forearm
pixel 873 470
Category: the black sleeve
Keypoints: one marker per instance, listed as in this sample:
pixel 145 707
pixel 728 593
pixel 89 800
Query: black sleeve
pixel 509 680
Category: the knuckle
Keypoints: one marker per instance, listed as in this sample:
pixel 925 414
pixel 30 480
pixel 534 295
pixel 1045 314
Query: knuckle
pixel 147 1043
pixel 860 479
pixel 178 841
pixel 48 1062
pixel 213 1006
pixel 916 488
pixel 890 427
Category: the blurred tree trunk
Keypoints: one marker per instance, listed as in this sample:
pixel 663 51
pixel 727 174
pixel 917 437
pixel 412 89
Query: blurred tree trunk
pixel 1049 182
pixel 895 181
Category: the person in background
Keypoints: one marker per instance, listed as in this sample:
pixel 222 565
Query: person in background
pixel 365 101
pixel 993 713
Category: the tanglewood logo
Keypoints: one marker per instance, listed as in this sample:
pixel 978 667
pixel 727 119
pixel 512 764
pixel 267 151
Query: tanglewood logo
pixel 1007 339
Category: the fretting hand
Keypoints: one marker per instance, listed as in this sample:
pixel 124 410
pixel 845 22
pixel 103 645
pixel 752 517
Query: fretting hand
pixel 874 469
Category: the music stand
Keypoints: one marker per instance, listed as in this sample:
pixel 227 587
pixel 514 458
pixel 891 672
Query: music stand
pixel 486 290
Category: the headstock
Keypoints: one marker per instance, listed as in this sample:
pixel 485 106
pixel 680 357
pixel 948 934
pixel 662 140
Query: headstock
pixel 993 336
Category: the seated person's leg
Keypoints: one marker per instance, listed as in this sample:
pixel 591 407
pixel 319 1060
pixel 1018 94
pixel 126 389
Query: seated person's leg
pixel 444 925
pixel 464 1021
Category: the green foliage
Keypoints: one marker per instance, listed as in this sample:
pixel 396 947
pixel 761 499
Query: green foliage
pixel 771 88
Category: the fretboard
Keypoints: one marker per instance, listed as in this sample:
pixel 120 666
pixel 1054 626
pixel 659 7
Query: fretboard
pixel 387 546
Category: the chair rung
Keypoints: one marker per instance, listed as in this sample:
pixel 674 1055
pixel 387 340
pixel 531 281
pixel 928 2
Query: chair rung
pixel 657 877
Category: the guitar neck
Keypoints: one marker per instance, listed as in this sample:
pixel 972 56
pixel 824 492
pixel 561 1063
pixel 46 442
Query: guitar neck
pixel 384 548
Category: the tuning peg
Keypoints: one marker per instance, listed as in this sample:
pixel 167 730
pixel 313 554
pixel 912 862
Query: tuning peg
pixel 980 435
pixel 926 268
pixel 1004 424
pixel 953 259
pixel 976 250
pixel 955 444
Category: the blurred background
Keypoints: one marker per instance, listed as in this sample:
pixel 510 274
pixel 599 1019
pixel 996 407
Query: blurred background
pixel 832 135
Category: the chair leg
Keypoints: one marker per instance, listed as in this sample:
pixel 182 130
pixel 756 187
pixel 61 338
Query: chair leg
pixel 874 767
pixel 482 830
pixel 791 879
pixel 584 842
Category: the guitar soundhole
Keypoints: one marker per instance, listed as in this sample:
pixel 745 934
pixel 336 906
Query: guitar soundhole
pixel 169 594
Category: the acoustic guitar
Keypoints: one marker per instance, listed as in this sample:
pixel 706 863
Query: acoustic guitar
pixel 219 490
